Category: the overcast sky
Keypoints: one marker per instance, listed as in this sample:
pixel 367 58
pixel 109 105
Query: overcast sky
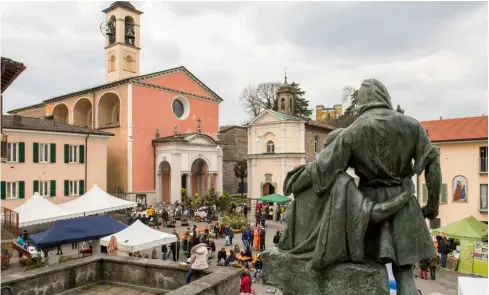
pixel 432 56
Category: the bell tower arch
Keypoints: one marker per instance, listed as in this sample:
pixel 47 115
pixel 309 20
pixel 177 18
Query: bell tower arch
pixel 122 42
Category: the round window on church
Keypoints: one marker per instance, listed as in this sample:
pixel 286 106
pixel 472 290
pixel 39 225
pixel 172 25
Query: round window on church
pixel 180 108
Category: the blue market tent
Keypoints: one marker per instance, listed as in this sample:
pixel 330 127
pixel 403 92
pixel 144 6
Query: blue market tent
pixel 77 230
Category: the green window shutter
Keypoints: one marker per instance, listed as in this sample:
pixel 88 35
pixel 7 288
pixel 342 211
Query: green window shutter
pixel 444 194
pixel 52 153
pixel 21 152
pixel 52 188
pixel 35 152
pixel 81 187
pixel 36 186
pixel 2 190
pixel 67 187
pixel 67 153
pixel 21 189
pixel 425 193
pixel 82 154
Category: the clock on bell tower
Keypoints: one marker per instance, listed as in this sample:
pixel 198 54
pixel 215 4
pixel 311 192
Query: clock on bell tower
pixel 122 39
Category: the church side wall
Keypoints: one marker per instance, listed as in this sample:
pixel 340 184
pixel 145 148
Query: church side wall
pixel 33 113
pixel 152 109
pixel 311 132
pixel 234 143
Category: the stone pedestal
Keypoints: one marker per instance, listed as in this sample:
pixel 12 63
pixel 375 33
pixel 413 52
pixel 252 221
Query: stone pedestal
pixel 294 277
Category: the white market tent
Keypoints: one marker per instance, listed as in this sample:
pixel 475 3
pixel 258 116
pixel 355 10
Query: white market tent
pixel 37 210
pixel 96 201
pixel 139 237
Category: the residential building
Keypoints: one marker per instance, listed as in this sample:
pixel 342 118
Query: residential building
pixel 323 114
pixel 279 141
pixel 463 157
pixel 150 116
pixel 234 142
pixel 57 160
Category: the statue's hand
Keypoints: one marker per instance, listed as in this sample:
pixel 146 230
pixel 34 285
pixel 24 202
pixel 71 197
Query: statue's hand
pixel 429 213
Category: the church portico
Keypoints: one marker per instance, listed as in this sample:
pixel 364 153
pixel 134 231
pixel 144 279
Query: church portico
pixel 190 161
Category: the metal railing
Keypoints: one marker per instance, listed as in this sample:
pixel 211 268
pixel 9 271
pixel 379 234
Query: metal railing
pixel 10 221
pixel 483 165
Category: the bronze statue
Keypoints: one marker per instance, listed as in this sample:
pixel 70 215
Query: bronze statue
pixel 364 223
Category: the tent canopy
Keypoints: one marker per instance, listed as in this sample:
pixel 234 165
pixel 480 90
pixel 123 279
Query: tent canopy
pixel 37 210
pixel 275 198
pixel 469 228
pixel 139 237
pixel 96 201
pixel 77 230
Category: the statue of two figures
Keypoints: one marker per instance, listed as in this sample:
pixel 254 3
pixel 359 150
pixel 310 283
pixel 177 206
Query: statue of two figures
pixel 333 222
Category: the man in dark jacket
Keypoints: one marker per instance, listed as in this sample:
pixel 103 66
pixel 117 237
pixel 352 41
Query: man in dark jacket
pixel 175 247
pixel 443 250
pixel 244 237
pixel 164 216
pixel 245 211
pixel 221 256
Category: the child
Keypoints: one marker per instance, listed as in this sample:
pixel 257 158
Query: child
pixel 434 262
pixel 423 266
pixel 258 269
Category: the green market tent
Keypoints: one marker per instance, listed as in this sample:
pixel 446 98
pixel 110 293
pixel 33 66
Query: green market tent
pixel 467 228
pixel 472 234
pixel 275 198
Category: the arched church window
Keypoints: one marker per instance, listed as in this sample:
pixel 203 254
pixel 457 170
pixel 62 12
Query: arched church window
pixel 270 147
pixel 282 104
pixel 129 30
pixel 129 63
pixel 316 143
pixel 111 28
pixel 112 63
pixel 290 104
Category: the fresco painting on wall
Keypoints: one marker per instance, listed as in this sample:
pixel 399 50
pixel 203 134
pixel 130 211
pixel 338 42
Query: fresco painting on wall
pixel 459 189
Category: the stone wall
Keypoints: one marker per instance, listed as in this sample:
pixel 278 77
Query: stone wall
pixel 158 276
pixel 311 132
pixel 234 143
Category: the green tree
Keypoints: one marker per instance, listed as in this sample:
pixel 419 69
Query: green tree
pixel 241 172
pixel 301 103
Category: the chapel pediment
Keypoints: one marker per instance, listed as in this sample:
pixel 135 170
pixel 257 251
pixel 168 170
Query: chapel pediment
pixel 271 116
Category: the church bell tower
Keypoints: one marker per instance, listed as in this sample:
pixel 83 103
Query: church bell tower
pixel 122 41
pixel 286 99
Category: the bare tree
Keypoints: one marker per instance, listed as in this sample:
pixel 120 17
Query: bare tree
pixel 267 92
pixel 251 100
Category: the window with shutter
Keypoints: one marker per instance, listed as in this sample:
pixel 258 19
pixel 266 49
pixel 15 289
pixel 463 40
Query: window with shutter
pixel 67 153
pixel 35 152
pixel 2 190
pixel 52 155
pixel 36 186
pixel 82 154
pixel 81 187
pixel 52 187
pixel 425 193
pixel 21 189
pixel 21 152
pixel 67 188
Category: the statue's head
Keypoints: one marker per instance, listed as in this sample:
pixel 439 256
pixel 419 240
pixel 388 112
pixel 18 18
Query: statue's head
pixel 372 94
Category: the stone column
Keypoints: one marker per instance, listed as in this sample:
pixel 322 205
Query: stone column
pixel 189 185
pixel 176 178
pixel 220 169
pixel 208 180
pixel 158 184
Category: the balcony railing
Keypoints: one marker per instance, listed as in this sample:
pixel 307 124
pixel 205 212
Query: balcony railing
pixel 483 165
pixel 10 221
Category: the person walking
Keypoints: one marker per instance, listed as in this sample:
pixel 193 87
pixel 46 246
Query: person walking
pixel 443 250
pixel 262 238
pixel 227 234
pixel 258 217
pixel 231 236
pixel 245 211
pixel 434 262
pixel 164 252
pixel 58 250
pixel 249 233
pixel 244 237
pixel 423 267
pixel 175 247
pixel 197 261
pixel 256 235
pixel 164 217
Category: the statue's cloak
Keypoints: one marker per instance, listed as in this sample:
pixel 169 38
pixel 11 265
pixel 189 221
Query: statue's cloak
pixel 326 230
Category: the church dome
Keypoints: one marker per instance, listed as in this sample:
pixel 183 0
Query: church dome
pixel 123 3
